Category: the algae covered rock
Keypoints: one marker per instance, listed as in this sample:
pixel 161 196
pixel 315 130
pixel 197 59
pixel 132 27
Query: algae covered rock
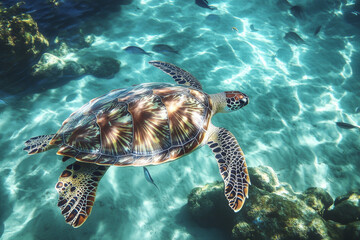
pixel 264 178
pixel 273 210
pixel 352 231
pixel 20 44
pixel 101 67
pixel 278 217
pixel 318 199
pixel 346 208
pixel 20 39
pixel 208 206
pixel 52 68
pixel 49 66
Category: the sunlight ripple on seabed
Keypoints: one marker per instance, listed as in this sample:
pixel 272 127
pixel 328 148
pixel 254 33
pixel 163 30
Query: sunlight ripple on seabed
pixel 297 93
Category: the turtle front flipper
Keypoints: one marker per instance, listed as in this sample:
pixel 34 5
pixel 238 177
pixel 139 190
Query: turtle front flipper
pixel 39 144
pixel 232 166
pixel 77 187
pixel 181 76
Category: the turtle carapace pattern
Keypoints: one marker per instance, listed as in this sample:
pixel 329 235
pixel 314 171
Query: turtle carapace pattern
pixel 146 124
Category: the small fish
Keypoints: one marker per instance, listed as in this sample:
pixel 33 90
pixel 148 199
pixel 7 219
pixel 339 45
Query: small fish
pixel 346 125
pixel 2 102
pixel 163 48
pixel 294 38
pixel 252 28
pixel 235 29
pixel 204 4
pixel 317 30
pixel 148 177
pixel 136 50
pixel 357 110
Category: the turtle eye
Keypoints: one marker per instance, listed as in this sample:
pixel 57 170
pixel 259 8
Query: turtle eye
pixel 236 100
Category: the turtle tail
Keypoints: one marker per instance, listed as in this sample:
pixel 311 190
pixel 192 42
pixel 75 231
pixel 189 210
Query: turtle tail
pixel 38 144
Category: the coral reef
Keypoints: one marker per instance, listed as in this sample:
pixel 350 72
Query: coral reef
pixel 275 211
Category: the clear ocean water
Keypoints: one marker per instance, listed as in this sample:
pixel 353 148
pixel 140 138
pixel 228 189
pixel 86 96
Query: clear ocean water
pixel 297 94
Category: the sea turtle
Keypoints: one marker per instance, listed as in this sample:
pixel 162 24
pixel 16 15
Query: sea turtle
pixel 146 124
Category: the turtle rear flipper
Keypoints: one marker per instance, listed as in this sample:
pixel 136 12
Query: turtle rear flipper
pixel 232 166
pixel 77 187
pixel 38 144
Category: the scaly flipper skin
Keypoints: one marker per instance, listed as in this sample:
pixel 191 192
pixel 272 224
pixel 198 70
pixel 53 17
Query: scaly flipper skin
pixel 181 76
pixel 38 144
pixel 232 166
pixel 77 187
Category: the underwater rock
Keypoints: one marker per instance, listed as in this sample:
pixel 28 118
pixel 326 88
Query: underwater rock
pixel 101 67
pixel 20 43
pixel 53 67
pixel 279 217
pixel 352 231
pixel 318 199
pixel 62 50
pixel 209 208
pixel 73 70
pixel 273 211
pixel 49 66
pixel 264 178
pixel 20 39
pixel 346 208
pixel 73 40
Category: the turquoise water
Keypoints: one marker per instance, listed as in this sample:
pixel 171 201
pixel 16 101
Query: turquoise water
pixel 297 93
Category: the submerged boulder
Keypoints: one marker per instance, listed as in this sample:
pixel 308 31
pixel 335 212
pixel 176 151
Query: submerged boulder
pixel 352 231
pixel 209 208
pixel 346 208
pixel 52 68
pixel 273 210
pixel 20 44
pixel 20 39
pixel 318 199
pixel 279 217
pixel 101 67
pixel 49 66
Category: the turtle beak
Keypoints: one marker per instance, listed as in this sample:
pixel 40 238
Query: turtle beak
pixel 244 100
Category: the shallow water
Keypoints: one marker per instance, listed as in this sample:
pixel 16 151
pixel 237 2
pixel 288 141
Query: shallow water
pixel 297 93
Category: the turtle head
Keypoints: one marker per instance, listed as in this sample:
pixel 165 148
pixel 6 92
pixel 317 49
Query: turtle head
pixel 230 101
pixel 235 100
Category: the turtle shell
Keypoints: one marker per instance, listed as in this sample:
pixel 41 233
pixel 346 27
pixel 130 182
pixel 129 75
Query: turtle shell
pixel 143 125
